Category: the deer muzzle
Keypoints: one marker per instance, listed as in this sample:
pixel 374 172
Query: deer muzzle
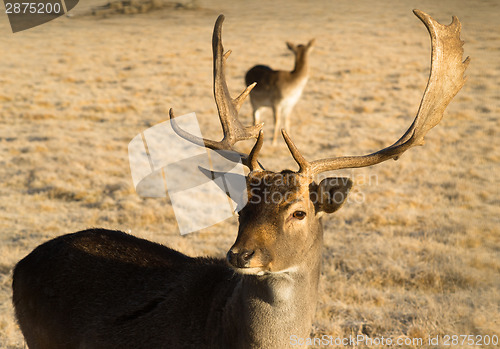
pixel 240 259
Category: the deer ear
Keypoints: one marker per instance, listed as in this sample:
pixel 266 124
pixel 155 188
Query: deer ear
pixel 330 194
pixel 291 46
pixel 311 43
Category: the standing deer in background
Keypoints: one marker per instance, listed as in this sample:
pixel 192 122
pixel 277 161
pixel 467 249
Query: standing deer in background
pixel 279 89
pixel 103 289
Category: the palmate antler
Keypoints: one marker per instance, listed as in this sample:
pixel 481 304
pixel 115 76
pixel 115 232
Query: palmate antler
pixel 445 80
pixel 228 109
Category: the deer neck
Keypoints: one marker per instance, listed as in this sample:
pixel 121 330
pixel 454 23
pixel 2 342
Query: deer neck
pixel 301 68
pixel 273 307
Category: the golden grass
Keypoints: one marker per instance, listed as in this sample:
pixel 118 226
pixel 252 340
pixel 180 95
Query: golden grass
pixel 415 253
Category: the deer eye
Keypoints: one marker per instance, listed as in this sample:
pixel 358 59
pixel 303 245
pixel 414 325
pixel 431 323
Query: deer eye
pixel 299 215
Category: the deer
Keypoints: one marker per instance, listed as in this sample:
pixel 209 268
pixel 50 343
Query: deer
pixel 279 89
pixel 101 288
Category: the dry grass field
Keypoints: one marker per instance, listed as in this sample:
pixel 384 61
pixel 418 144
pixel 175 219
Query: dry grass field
pixel 415 252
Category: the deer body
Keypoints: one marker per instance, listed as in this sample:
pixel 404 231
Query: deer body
pixel 279 89
pixel 102 289
pixel 164 299
pixel 142 275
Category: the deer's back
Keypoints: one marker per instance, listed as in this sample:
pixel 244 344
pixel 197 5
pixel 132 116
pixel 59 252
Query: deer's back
pixel 273 86
pixel 62 293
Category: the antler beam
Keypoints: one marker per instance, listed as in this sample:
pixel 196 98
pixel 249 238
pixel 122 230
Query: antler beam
pixel 227 108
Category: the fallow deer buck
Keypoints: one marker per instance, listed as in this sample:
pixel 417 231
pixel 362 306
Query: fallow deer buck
pixel 279 89
pixel 103 289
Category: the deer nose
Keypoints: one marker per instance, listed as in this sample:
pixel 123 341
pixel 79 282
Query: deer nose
pixel 240 259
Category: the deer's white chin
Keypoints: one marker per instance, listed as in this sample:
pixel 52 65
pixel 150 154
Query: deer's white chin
pixel 250 271
pixel 260 271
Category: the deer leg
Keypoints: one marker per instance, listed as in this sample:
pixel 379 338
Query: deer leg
pixel 277 122
pixel 256 116
pixel 286 116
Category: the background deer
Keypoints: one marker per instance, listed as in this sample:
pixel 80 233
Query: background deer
pixel 279 89
pixel 106 289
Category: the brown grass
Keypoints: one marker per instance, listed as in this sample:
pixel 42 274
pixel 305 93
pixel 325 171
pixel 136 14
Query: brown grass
pixel 416 251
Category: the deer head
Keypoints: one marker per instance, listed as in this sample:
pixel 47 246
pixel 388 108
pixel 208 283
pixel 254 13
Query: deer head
pixel 295 48
pixel 301 51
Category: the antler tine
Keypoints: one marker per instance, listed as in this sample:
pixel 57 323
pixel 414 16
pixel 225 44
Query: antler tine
pixel 207 143
pixel 233 130
pixel 238 101
pixel 304 165
pixel 445 80
pixel 202 142
pixel 253 164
